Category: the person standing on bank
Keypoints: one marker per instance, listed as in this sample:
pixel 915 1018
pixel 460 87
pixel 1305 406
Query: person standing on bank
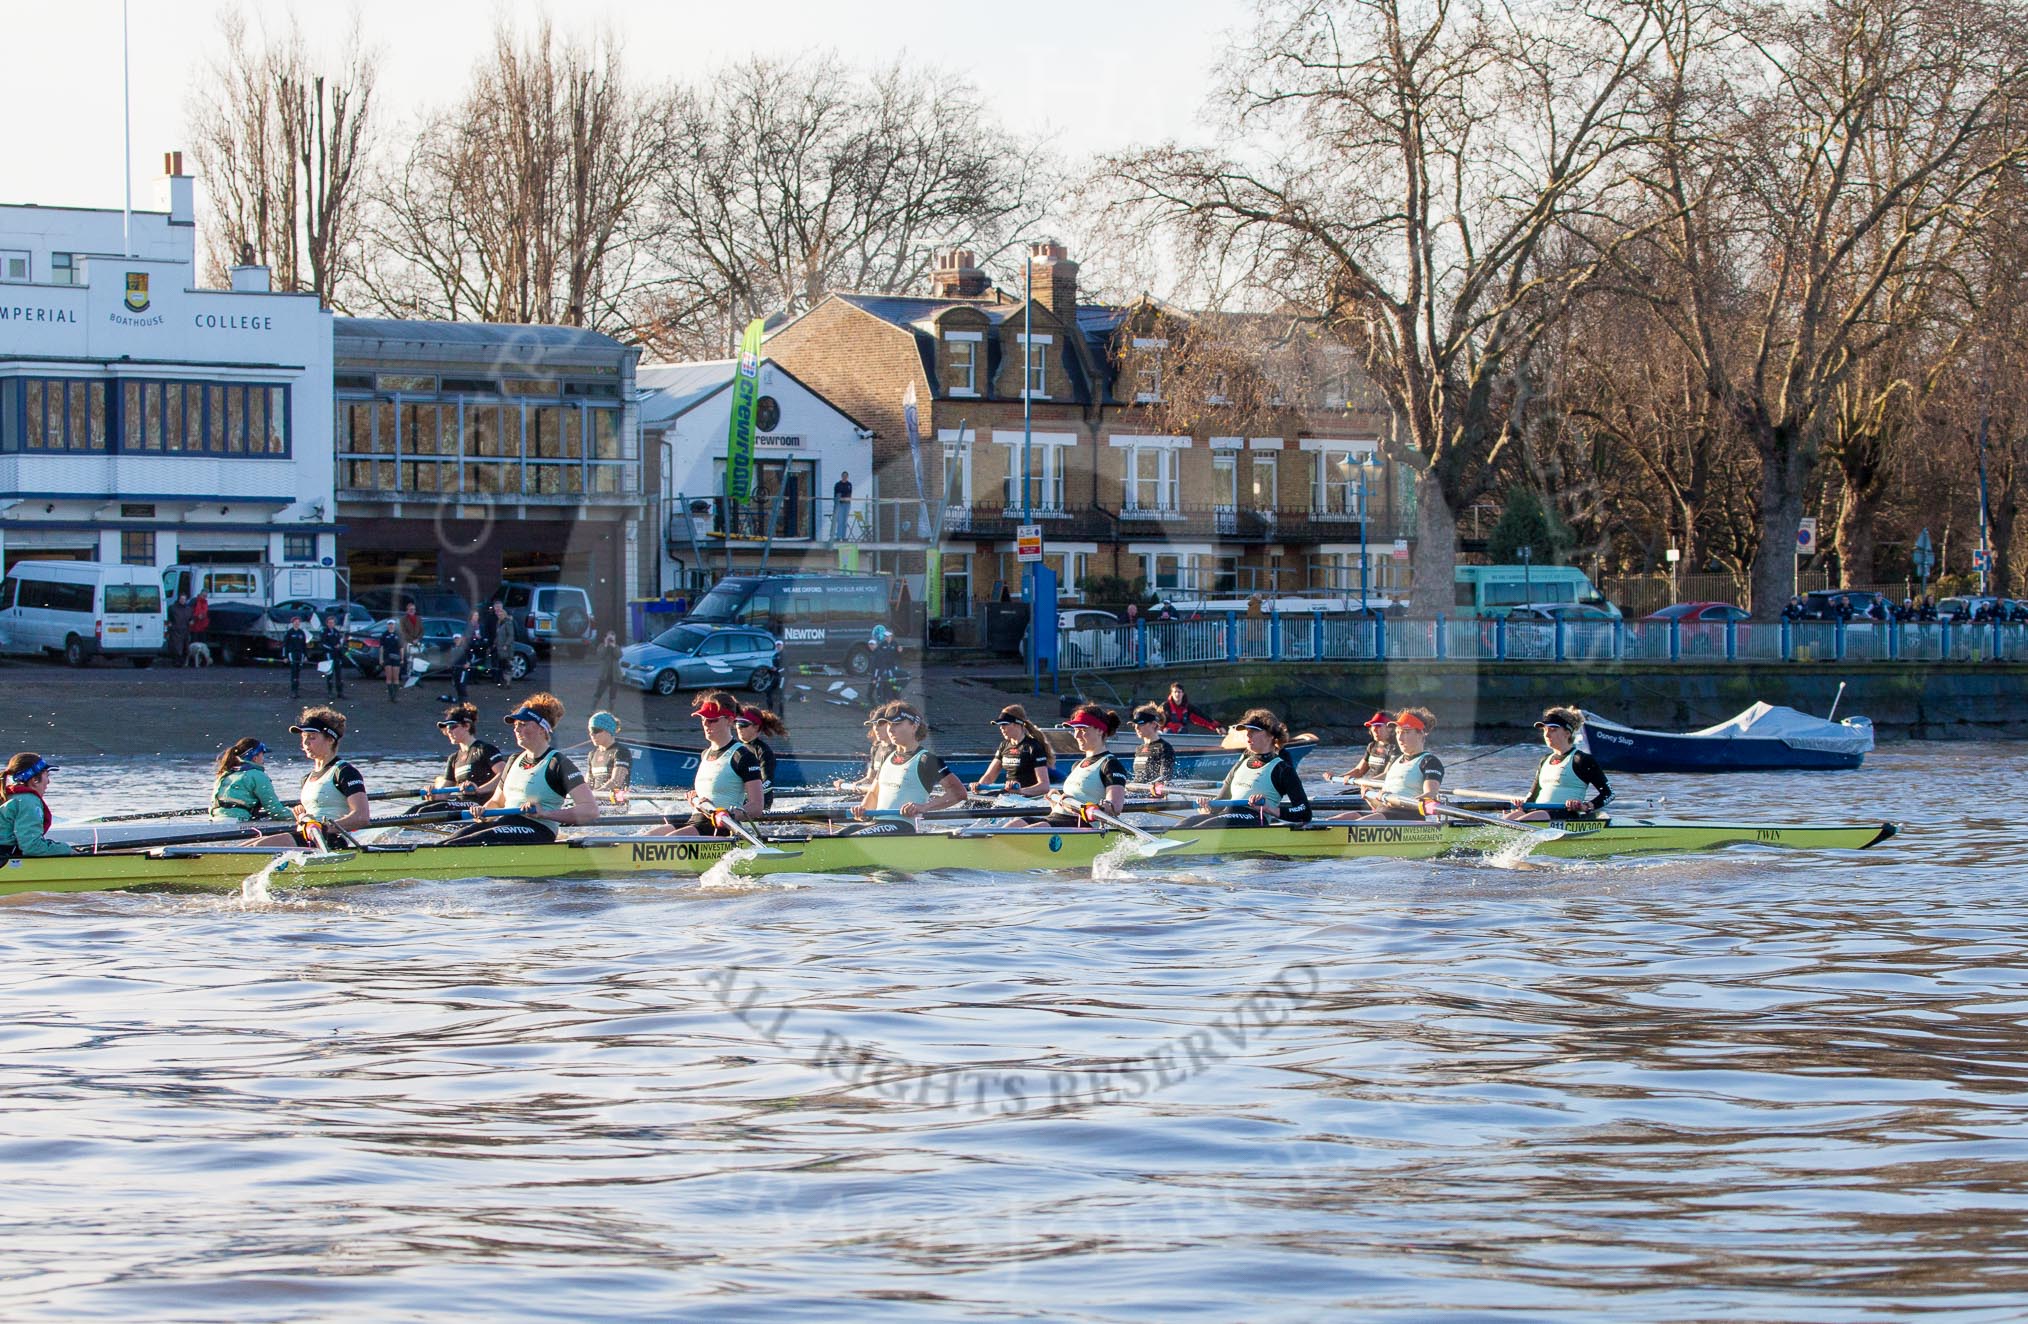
pixel 503 644
pixel 295 651
pixel 841 505
pixel 392 650
pixel 476 642
pixel 177 636
pixel 331 640
pixel 608 688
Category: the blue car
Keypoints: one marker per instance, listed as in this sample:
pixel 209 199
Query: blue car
pixel 698 657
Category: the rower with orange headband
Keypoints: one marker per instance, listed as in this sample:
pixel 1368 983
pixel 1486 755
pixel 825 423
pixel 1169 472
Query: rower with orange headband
pixel 730 780
pixel 1415 776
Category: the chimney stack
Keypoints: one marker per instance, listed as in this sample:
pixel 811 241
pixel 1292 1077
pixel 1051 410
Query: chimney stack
pixel 957 275
pixel 1054 277
pixel 176 193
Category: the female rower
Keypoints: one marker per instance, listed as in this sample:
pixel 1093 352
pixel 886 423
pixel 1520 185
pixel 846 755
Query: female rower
pixel 610 765
pixel 1414 777
pixel 1565 773
pixel 541 786
pixel 1097 778
pixel 333 799
pixel 753 726
pixel 1023 757
pixel 879 744
pixel 1154 757
pixel 912 779
pixel 240 789
pixel 729 775
pixel 1179 714
pixel 1381 750
pixel 474 765
pixel 1262 779
pixel 25 819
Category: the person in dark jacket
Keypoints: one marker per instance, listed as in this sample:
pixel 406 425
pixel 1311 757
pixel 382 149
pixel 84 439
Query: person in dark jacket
pixel 502 643
pixel 391 651
pixel 608 688
pixel 295 651
pixel 331 641
pixel 177 635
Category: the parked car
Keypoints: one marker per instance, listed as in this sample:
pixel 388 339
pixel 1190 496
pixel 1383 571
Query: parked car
pixel 697 657
pixel 1692 613
pixel 78 610
pixel 1570 613
pixel 1087 636
pixel 550 615
pixel 1821 604
pixel 443 641
pixel 430 601
pixel 241 632
pixel 1959 610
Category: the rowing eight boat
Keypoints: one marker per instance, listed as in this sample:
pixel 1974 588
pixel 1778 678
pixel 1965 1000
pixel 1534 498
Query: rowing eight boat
pixel 999 850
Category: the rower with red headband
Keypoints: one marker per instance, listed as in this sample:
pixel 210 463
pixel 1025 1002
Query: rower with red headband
pixel 1381 749
pixel 753 726
pixel 25 819
pixel 1415 776
pixel 1098 779
pixel 1262 781
pixel 542 787
pixel 731 782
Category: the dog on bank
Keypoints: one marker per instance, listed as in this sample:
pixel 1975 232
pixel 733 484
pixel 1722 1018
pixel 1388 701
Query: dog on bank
pixel 199 654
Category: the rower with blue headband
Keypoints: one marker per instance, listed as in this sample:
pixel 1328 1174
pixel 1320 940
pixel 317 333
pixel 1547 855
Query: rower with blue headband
pixel 240 788
pixel 25 819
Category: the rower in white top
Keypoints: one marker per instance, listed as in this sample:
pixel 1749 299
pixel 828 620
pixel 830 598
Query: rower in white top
pixel 1569 783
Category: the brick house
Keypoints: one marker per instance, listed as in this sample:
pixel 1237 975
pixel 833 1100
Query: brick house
pixel 1123 480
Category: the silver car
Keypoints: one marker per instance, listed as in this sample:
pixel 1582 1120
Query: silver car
pixel 698 657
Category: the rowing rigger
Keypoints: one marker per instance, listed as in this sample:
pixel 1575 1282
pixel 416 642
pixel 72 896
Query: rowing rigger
pixel 987 849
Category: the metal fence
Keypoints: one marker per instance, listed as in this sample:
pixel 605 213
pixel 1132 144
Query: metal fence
pixel 1239 639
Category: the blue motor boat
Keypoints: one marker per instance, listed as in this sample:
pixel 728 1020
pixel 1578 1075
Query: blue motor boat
pixel 1764 738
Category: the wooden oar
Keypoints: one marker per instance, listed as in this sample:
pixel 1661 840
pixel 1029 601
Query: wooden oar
pixel 1150 844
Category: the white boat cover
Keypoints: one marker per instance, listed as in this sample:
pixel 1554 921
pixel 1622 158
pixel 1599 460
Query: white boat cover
pixel 1767 721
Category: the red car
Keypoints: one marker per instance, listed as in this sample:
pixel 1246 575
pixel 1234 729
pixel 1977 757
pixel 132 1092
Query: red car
pixel 1692 612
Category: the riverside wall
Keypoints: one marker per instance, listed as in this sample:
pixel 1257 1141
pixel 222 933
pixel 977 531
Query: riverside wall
pixel 1500 701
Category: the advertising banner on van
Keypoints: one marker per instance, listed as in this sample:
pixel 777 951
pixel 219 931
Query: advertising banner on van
pixel 739 428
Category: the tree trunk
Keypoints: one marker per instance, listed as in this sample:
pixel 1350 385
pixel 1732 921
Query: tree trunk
pixel 1433 570
pixel 1856 537
pixel 1783 472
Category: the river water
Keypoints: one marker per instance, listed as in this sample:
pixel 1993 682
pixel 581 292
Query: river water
pixel 1740 1086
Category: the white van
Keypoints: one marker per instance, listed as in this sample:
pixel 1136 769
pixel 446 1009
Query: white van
pixel 78 610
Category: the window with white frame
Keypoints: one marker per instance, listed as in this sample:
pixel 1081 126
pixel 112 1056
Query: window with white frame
pixel 1151 479
pixel 961 357
pixel 1038 366
pixel 957 473
pixel 1225 482
pixel 1266 495
pixel 1336 486
pixel 1080 572
pixel 1164 570
pixel 1148 370
pixel 1045 479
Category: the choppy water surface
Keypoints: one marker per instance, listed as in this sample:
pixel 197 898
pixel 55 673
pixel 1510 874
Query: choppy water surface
pixel 1747 1085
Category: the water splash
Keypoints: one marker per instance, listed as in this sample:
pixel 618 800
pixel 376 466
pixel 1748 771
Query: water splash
pixel 725 873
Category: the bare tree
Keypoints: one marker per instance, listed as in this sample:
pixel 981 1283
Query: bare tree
pixel 523 203
pixel 796 177
pixel 1424 152
pixel 282 148
pixel 1814 154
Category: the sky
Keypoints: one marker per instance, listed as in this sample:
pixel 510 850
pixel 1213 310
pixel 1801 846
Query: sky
pixel 1129 72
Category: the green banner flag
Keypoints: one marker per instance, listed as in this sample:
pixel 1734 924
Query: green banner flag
pixel 739 429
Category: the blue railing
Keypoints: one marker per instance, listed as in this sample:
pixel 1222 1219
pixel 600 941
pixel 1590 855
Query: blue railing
pixel 1319 638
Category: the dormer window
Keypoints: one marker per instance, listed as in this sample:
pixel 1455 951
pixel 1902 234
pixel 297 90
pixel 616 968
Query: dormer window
pixel 1148 370
pixel 1037 355
pixel 961 362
